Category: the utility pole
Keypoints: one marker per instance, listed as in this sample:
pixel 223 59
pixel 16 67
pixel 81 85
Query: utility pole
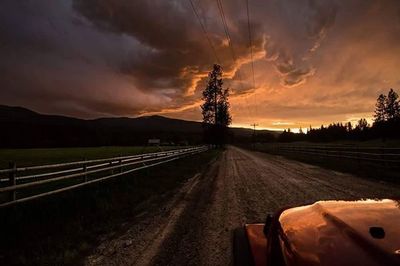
pixel 254 134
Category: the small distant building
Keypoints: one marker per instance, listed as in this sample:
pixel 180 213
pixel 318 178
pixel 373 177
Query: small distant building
pixel 154 142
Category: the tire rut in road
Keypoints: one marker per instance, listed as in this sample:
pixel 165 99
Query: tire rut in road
pixel 182 247
pixel 140 243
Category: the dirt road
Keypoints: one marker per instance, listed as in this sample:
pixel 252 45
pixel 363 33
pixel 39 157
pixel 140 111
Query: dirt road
pixel 194 227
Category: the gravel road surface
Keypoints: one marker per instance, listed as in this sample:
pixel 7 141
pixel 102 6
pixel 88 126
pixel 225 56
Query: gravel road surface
pixel 194 227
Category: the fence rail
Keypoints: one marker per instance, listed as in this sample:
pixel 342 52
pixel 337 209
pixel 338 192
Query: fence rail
pixel 387 157
pixel 84 173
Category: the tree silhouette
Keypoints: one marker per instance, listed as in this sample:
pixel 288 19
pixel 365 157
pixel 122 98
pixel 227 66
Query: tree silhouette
pixel 387 116
pixel 215 109
pixel 210 95
pixel 362 124
pixel 223 116
pixel 380 109
pixel 386 125
pixel 392 106
pixel 349 127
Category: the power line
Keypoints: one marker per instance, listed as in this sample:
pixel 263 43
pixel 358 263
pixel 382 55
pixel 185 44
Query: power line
pixel 226 30
pixel 200 5
pixel 204 31
pixel 228 36
pixel 204 28
pixel 251 50
pixel 250 42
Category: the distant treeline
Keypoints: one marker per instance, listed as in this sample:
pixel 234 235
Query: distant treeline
pixel 386 125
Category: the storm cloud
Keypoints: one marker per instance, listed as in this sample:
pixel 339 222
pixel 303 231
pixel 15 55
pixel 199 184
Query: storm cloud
pixel 92 58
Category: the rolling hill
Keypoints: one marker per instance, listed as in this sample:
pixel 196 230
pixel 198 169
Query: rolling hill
pixel 21 127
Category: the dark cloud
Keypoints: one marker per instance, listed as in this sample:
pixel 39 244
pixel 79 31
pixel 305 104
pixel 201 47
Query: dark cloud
pixel 155 47
pixel 398 14
pixel 295 34
pixel 322 18
pixel 297 76
pixel 170 29
pixel 292 74
pixel 161 26
pixel 121 57
pixel 49 51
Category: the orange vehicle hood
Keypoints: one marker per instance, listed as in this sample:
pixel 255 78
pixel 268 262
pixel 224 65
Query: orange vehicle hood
pixel 365 232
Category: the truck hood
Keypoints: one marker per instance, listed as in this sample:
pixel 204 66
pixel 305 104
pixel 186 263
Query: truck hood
pixel 364 232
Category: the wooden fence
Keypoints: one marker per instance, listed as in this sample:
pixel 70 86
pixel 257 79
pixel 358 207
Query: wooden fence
pixel 21 184
pixel 381 156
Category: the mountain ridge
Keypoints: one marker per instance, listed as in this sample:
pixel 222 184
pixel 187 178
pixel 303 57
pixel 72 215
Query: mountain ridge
pixel 23 127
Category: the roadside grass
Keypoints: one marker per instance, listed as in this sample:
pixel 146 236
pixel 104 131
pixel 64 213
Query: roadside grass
pixel 62 229
pixel 29 157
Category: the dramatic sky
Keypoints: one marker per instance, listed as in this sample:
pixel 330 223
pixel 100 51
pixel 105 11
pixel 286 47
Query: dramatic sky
pixel 315 61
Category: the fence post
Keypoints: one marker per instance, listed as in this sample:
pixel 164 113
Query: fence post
pixel 112 170
pixel 85 171
pixel 12 179
pixel 120 164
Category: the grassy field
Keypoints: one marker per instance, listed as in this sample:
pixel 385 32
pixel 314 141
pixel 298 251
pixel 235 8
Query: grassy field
pixel 61 229
pixel 29 157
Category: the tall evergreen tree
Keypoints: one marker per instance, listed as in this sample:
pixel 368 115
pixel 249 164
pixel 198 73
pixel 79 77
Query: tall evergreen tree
pixel 392 106
pixel 380 109
pixel 215 109
pixel 211 95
